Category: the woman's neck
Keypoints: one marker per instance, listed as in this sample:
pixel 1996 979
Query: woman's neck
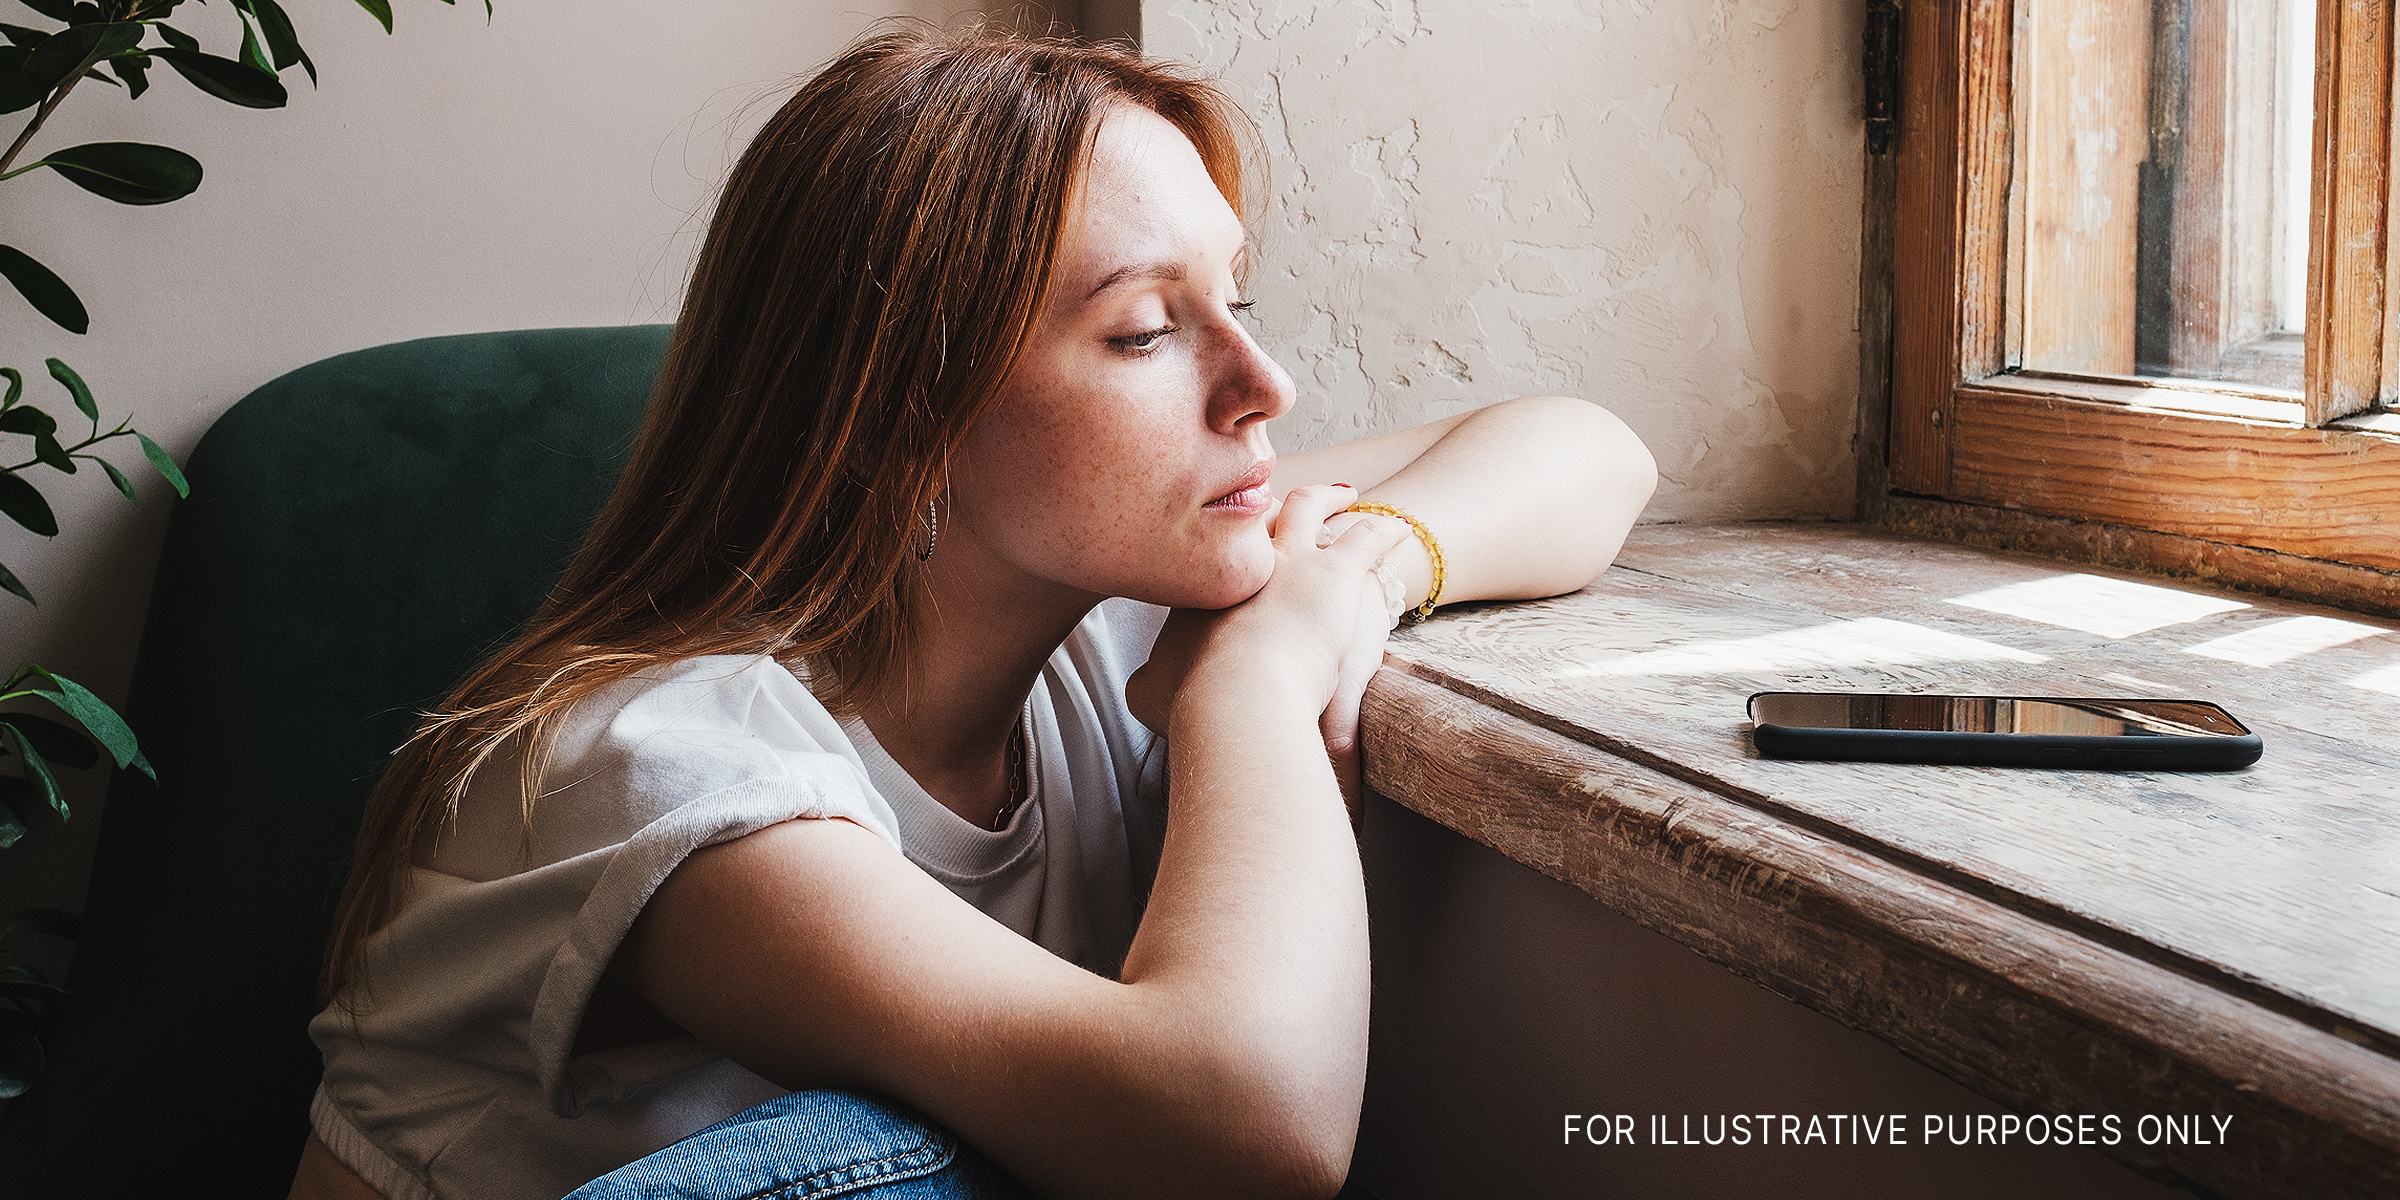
pixel 976 645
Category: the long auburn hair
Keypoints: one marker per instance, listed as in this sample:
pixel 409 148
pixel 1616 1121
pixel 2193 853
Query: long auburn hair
pixel 877 259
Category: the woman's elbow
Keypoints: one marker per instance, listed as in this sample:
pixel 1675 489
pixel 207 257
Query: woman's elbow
pixel 1611 456
pixel 1286 1117
pixel 1297 1151
pixel 1601 472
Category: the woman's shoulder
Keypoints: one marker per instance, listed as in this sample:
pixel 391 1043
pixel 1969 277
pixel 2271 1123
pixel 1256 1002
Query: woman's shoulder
pixel 681 738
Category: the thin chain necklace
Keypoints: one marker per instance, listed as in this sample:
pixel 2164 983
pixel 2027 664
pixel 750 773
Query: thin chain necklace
pixel 1020 785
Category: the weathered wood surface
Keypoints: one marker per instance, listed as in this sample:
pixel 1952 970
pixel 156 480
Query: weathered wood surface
pixel 2014 1007
pixel 2348 317
pixel 1925 249
pixel 2064 539
pixel 2082 73
pixel 2318 493
pixel 1954 328
pixel 2056 939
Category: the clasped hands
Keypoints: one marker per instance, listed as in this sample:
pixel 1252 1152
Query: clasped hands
pixel 1313 635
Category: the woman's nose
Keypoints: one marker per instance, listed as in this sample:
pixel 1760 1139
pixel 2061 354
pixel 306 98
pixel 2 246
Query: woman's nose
pixel 1245 386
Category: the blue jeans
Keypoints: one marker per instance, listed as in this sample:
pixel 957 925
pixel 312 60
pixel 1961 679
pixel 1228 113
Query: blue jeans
pixel 812 1144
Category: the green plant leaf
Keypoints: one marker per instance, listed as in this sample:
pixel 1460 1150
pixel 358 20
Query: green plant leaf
pixel 281 39
pixel 12 810
pixel 116 477
pixel 252 53
pixel 166 465
pixel 56 10
pixel 61 744
pixel 10 582
pixel 48 921
pixel 28 420
pixel 72 51
pixel 74 384
pixel 46 784
pixel 127 172
pixel 16 387
pixel 382 11
pixel 24 504
pixel 176 37
pixel 227 80
pixel 20 1060
pixel 47 449
pixel 49 295
pixel 134 69
pixel 16 91
pixel 18 35
pixel 96 717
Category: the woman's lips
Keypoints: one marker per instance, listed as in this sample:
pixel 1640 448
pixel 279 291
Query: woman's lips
pixel 1250 493
pixel 1249 499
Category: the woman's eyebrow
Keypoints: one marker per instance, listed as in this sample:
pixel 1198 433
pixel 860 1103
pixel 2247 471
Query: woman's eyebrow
pixel 1156 270
pixel 1170 270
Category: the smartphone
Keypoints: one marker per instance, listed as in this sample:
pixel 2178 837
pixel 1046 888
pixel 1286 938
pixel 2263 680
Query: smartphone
pixel 2003 731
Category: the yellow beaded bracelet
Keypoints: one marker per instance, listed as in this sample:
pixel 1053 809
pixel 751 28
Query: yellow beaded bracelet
pixel 1433 549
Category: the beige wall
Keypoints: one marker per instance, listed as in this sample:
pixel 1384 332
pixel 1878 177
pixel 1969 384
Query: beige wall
pixel 1655 206
pixel 550 168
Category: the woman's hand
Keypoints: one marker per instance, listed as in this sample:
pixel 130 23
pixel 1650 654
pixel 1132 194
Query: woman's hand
pixel 1321 617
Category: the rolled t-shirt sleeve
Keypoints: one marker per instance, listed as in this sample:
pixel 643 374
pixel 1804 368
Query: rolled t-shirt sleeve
pixel 519 908
pixel 719 748
pixel 457 1075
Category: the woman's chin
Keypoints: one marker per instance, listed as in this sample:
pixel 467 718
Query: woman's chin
pixel 1227 584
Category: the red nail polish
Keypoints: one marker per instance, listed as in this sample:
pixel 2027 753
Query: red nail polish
pixel 1345 485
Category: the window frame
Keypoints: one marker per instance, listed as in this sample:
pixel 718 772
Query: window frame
pixel 2296 498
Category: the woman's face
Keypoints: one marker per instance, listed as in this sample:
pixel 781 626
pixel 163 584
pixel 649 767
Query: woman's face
pixel 1127 454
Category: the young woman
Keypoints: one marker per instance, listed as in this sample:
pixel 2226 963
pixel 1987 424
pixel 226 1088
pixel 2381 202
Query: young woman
pixel 829 764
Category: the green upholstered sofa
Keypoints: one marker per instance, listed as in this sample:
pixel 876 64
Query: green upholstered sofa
pixel 358 531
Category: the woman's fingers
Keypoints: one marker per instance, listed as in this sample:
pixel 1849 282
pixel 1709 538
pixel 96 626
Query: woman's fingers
pixel 1305 509
pixel 1338 725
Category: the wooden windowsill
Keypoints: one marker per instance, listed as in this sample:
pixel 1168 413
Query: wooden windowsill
pixel 2064 942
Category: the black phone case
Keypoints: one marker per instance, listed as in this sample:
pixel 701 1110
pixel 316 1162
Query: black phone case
pixel 2149 753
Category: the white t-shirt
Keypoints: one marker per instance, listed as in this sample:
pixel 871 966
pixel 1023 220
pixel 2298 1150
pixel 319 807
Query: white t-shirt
pixel 457 1078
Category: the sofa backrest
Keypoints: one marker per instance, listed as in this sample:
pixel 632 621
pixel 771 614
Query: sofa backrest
pixel 359 532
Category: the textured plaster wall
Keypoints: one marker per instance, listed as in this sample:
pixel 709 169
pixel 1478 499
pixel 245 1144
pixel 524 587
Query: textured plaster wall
pixel 1650 205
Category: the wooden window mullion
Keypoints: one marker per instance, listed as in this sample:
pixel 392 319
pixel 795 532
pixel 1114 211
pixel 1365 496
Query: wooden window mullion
pixel 2349 314
pixel 1950 231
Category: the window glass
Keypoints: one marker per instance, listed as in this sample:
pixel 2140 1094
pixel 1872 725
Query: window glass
pixel 2160 195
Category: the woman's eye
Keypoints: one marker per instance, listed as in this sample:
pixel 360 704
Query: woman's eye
pixel 1142 342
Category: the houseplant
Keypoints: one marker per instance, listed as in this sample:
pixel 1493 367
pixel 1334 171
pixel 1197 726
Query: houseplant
pixel 114 43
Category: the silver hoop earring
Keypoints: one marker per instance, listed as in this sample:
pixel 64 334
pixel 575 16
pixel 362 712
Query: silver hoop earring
pixel 933 531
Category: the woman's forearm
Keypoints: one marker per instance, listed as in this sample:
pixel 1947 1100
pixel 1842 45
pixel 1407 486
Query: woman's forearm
pixel 1257 924
pixel 1529 497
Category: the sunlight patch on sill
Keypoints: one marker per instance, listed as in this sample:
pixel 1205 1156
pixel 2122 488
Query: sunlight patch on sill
pixel 1867 642
pixel 2281 641
pixel 2386 680
pixel 2111 608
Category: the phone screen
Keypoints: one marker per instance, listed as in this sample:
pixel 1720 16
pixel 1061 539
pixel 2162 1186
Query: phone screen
pixel 1995 714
